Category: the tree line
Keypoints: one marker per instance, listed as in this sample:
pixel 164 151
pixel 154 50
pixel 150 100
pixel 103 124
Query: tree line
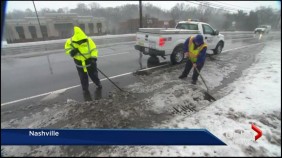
pixel 219 18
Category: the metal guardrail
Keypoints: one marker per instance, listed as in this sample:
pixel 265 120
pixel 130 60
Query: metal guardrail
pixel 19 48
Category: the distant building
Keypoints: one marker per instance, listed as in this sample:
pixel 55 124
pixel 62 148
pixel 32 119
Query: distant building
pixel 53 26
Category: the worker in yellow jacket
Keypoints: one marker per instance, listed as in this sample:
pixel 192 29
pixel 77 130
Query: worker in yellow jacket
pixel 195 49
pixel 86 64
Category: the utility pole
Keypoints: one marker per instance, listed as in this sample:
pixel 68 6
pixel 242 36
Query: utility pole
pixel 140 14
pixel 49 63
pixel 140 26
pixel 38 21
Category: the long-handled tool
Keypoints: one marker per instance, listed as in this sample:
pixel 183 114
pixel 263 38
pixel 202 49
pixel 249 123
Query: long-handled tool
pixel 207 93
pixel 104 74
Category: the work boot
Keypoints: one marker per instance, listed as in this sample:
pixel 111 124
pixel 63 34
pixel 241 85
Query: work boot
pixel 86 91
pixel 99 86
pixel 182 76
pixel 87 95
pixel 194 82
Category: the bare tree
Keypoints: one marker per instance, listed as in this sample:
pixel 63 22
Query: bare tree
pixel 60 10
pixel 218 18
pixel 94 6
pixel 46 10
pixel 16 14
pixel 66 10
pixel 29 13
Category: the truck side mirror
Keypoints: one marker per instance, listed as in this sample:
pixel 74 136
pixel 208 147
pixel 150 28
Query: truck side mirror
pixel 216 32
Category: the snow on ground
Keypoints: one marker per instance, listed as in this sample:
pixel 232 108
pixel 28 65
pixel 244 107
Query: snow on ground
pixel 255 98
pixel 161 100
pixel 46 117
pixel 215 77
pixel 150 101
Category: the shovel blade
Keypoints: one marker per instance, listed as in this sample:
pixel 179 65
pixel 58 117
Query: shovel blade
pixel 209 97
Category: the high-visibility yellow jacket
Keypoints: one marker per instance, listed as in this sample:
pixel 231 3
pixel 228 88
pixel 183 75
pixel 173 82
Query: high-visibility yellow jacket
pixel 88 48
pixel 194 53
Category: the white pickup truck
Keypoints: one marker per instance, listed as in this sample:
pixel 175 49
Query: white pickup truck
pixel 262 29
pixel 169 42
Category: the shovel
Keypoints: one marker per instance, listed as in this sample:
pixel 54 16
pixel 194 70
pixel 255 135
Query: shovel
pixel 101 72
pixel 105 75
pixel 206 93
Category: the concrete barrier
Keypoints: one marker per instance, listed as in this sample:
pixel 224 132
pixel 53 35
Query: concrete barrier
pixel 19 48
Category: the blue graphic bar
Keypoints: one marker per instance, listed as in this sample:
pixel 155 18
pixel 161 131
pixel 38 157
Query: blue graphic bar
pixel 108 137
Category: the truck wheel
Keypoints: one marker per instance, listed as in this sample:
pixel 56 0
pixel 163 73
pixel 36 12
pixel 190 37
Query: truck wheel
pixel 153 61
pixel 177 55
pixel 218 48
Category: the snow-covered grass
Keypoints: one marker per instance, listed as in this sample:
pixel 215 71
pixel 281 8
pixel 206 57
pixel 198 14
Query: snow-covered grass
pixel 254 98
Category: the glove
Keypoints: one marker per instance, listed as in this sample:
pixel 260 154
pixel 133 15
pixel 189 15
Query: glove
pixel 73 52
pixel 93 60
pixel 186 55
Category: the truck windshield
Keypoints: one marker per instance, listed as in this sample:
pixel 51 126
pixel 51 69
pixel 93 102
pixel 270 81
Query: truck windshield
pixel 187 26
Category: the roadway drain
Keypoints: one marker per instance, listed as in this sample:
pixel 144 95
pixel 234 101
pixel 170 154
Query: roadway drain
pixel 183 109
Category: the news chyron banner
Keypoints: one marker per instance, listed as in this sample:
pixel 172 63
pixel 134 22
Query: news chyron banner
pixel 108 137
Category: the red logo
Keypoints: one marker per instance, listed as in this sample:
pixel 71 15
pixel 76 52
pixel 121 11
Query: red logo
pixel 256 129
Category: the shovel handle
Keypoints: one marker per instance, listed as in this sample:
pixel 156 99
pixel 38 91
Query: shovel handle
pixel 201 77
pixel 102 73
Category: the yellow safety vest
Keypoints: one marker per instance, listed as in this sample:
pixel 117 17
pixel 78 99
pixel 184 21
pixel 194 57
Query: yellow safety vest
pixel 88 49
pixel 194 53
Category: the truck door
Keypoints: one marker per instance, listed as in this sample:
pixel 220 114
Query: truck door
pixel 209 36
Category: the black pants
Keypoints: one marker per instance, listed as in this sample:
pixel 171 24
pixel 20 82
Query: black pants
pixel 189 66
pixel 91 71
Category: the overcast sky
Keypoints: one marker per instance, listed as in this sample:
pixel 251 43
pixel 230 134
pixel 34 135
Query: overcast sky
pixel 247 5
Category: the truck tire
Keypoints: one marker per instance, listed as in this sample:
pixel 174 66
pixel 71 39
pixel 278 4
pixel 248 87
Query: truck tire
pixel 218 48
pixel 153 61
pixel 177 55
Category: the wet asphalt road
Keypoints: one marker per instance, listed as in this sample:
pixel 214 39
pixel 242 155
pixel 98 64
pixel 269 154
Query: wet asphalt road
pixel 25 77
